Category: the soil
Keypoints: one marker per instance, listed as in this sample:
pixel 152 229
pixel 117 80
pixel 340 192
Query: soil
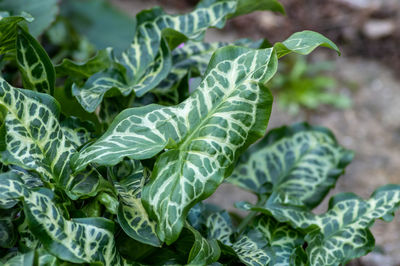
pixel 366 71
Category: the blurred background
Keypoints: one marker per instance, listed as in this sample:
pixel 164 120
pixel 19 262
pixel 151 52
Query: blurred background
pixel 357 95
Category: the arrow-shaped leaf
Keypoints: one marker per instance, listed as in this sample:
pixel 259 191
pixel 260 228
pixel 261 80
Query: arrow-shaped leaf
pixel 32 134
pixel 341 233
pixel 131 214
pixel 80 241
pixel 229 110
pixel 35 65
pixel 301 162
pixel 147 61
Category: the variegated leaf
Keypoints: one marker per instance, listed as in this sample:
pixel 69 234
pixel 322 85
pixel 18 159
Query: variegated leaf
pixel 147 61
pixel 111 107
pixel 204 251
pixel 252 248
pixel 219 227
pixel 128 181
pixel 191 57
pixel 282 239
pixel 341 233
pixel 33 136
pixel 8 235
pixel 35 65
pixel 344 232
pixel 228 111
pixel 301 162
pixel 203 135
pixel 80 241
pixel 27 241
pixel 76 131
pixel 8 30
pixel 21 259
pixel 303 43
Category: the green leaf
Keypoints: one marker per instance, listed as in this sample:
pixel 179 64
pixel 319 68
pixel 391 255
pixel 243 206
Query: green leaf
pixel 44 13
pixel 300 162
pixel 204 251
pixel 80 241
pixel 341 233
pixel 21 259
pixel 148 61
pixel 282 239
pixel 344 232
pixel 228 112
pixel 76 131
pixel 219 227
pixel 32 134
pixel 132 216
pixel 248 6
pixel 192 57
pixel 252 248
pixel 304 42
pixel 8 236
pixel 8 30
pixel 27 241
pixel 35 65
pixel 97 63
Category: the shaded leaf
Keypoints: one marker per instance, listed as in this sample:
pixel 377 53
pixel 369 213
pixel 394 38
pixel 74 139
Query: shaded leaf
pixel 80 240
pixel 35 65
pixel 8 30
pixel 128 181
pixel 204 251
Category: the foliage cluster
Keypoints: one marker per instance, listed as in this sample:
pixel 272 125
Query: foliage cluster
pixel 107 161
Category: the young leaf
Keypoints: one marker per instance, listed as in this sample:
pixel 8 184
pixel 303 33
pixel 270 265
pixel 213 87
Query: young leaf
pixel 219 227
pixel 303 42
pixel 35 65
pixel 282 239
pixel 252 248
pixel 248 6
pixel 147 61
pixel 8 30
pixel 97 63
pixel 300 161
pixel 80 241
pixel 131 214
pixel 204 251
pixel 228 111
pixel 33 136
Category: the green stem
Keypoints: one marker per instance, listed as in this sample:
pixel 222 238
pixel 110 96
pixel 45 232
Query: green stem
pixel 261 201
